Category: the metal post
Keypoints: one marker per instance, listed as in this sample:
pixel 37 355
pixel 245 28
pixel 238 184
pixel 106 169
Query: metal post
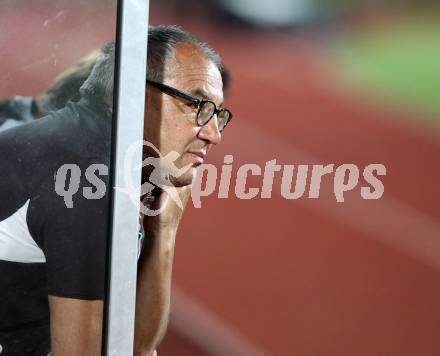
pixel 129 97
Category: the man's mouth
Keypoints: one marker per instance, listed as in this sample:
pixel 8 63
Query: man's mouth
pixel 199 155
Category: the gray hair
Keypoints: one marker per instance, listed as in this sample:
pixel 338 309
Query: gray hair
pixel 162 42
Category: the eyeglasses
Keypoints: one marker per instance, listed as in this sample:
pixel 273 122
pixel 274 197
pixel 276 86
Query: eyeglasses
pixel 206 109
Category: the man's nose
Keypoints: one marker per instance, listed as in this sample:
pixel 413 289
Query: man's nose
pixel 210 132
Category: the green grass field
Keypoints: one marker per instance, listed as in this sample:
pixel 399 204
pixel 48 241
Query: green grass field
pixel 401 64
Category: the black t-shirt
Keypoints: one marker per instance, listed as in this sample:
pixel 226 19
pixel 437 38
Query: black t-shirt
pixel 46 247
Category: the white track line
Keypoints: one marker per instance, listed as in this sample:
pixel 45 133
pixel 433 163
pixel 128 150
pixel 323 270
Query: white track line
pixel 201 326
pixel 386 220
pixel 330 83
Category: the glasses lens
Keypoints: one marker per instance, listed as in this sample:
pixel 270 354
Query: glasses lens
pixel 223 118
pixel 206 111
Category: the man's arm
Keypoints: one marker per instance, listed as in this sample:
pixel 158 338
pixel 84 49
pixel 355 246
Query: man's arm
pixel 75 251
pixel 154 274
pixel 75 326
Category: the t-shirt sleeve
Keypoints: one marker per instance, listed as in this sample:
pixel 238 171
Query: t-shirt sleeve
pixel 74 240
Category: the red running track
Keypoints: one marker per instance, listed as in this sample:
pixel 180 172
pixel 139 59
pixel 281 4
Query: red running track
pixel 314 277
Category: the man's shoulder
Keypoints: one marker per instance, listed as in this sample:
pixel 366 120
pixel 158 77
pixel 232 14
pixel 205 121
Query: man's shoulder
pixel 76 121
pixel 73 131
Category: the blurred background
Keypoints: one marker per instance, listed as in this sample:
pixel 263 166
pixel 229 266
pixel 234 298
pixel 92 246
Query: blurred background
pixel 317 82
pixel 312 82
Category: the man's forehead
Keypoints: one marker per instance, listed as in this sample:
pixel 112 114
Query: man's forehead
pixel 195 72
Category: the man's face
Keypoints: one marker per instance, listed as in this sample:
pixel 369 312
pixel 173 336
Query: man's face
pixel 171 123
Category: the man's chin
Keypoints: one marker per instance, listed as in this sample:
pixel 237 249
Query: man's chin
pixel 185 179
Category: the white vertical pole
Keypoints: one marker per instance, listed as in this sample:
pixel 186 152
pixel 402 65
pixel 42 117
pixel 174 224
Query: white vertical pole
pixel 129 110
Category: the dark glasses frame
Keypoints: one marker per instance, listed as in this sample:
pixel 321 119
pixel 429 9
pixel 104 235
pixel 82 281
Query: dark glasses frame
pixel 198 103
